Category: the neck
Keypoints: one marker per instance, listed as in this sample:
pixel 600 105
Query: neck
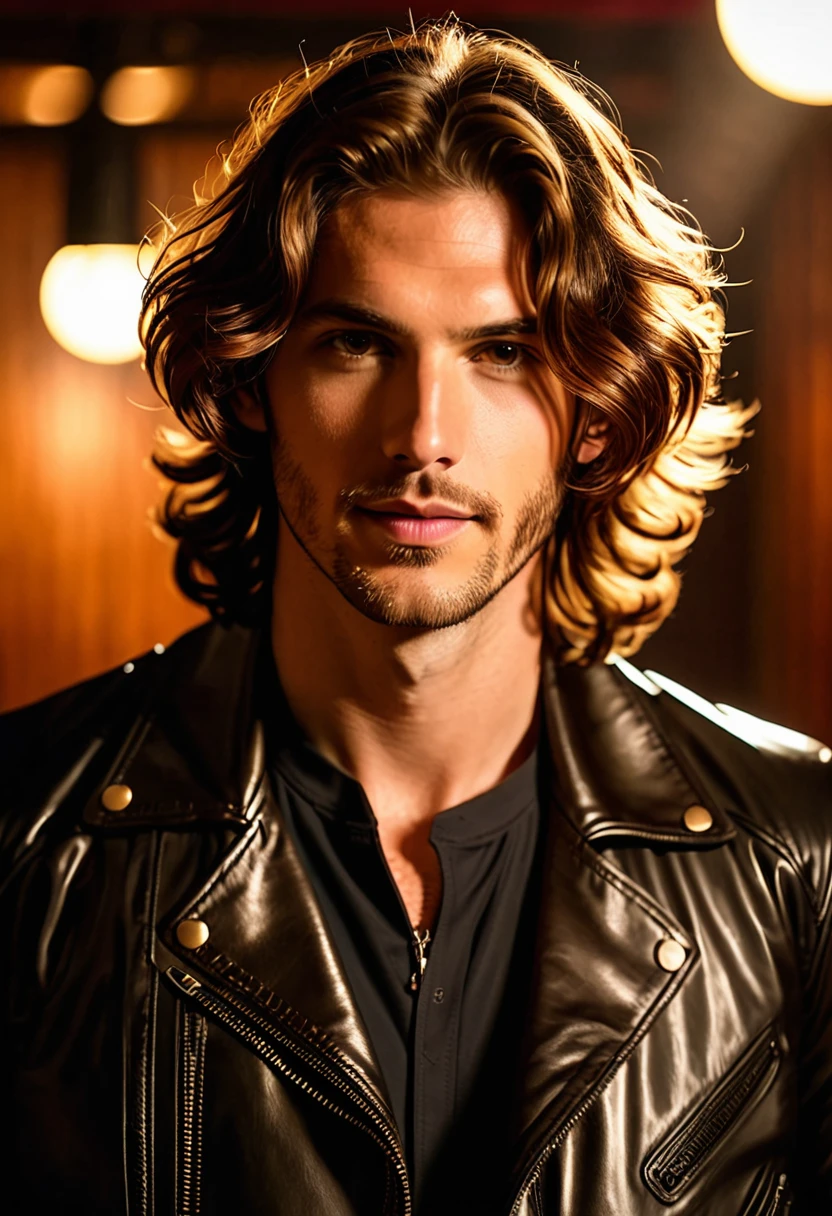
pixel 423 720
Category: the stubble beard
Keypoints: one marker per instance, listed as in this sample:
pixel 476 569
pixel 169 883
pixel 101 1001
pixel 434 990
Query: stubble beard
pixel 379 598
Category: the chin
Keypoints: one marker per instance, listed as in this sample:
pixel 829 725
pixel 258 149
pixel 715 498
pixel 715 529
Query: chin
pixel 419 600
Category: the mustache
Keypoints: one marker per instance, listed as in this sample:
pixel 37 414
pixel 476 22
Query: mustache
pixel 426 486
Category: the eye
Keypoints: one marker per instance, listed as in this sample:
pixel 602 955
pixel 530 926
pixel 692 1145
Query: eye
pixel 353 343
pixel 507 356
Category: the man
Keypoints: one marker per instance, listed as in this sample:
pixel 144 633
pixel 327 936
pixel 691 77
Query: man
pixel 384 893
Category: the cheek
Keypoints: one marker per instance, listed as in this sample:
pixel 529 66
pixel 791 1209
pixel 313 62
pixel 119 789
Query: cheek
pixel 312 413
pixel 521 442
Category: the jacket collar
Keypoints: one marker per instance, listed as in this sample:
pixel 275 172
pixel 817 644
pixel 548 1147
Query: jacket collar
pixel 197 754
pixel 616 772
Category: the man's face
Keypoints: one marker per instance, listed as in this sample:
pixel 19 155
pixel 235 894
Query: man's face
pixel 417 430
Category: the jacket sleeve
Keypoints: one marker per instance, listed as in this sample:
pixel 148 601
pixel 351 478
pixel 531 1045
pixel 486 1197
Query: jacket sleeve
pixel 813 1174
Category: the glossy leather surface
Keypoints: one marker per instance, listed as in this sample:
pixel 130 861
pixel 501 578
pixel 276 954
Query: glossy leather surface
pixel 144 1077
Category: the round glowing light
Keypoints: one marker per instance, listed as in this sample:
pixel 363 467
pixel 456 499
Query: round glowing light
pixel 44 94
pixel 136 96
pixel 785 46
pixel 90 296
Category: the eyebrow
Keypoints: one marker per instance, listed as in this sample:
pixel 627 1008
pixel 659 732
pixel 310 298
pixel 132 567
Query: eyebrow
pixel 343 310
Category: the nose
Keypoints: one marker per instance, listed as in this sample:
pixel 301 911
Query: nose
pixel 425 414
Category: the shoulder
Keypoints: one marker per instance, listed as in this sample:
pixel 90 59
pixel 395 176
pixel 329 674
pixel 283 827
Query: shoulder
pixel 774 782
pixel 56 745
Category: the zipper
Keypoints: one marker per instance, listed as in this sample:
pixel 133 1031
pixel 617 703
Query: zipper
pixel 266 1040
pixel 421 942
pixel 191 1073
pixel 672 1169
pixel 763 1060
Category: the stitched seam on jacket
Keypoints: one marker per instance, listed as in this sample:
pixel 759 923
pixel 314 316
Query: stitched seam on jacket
pixel 228 862
pixel 617 879
pixel 141 1113
pixel 152 1001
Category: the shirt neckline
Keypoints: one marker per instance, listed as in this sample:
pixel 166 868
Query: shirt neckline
pixel 336 795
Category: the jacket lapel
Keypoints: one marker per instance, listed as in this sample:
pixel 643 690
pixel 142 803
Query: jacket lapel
pixel 196 759
pixel 596 989
pixel 268 946
pixel 598 984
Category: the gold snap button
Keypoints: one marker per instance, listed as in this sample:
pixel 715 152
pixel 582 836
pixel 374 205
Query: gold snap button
pixel 192 933
pixel 116 797
pixel 670 954
pixel 698 819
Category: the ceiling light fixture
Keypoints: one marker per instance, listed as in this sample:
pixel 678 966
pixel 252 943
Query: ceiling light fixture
pixel 90 292
pixel 784 46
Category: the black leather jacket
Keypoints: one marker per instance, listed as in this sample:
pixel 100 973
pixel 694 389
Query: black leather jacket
pixel 679 1053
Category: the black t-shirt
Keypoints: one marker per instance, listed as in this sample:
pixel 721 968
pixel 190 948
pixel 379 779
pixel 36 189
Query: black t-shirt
pixel 448 1040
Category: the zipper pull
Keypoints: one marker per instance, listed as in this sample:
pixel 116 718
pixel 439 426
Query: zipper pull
pixel 778 1194
pixel 186 983
pixel 421 941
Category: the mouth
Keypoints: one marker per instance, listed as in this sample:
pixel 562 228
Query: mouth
pixel 400 507
pixel 426 524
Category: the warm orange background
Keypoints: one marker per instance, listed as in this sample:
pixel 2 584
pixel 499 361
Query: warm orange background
pixel 85 583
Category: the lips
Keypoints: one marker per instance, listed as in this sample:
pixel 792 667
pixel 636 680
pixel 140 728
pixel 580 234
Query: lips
pixel 423 525
pixel 430 510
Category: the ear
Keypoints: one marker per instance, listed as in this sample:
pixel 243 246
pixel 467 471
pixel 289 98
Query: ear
pixel 593 442
pixel 250 412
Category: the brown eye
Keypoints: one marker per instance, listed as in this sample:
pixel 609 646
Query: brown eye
pixel 353 343
pixel 507 356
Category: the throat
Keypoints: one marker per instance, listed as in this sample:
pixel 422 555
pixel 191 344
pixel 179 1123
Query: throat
pixel 415 870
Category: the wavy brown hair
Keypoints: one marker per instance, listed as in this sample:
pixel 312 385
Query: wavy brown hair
pixel 625 285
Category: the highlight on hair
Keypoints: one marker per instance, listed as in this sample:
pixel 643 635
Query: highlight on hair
pixel 625 285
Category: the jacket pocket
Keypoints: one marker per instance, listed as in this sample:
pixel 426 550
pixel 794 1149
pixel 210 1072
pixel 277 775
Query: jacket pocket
pixel 675 1164
pixel 193 1033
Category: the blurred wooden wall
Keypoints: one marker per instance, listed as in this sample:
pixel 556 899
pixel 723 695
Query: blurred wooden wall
pixel 792 609
pixel 85 584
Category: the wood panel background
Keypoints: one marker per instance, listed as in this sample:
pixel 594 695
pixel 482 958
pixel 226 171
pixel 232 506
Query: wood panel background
pixel 85 584
pixel 792 610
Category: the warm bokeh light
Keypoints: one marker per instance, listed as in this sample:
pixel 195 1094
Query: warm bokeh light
pixel 90 297
pixel 785 46
pixel 44 95
pixel 136 96
pixel 57 95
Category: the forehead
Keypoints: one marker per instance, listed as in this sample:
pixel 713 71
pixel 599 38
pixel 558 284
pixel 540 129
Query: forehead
pixel 456 242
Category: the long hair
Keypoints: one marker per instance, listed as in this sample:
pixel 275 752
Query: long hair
pixel 625 285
